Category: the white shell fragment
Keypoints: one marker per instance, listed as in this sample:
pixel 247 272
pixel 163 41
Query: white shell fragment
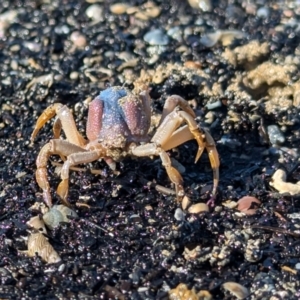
pixel 236 289
pixel 38 243
pixel 279 183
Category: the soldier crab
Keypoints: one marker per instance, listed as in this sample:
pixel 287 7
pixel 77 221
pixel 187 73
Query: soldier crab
pixel 117 125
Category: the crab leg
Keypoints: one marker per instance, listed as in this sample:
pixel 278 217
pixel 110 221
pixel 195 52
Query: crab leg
pixel 172 102
pixel 183 134
pixel 174 175
pixel 57 126
pixel 180 136
pixel 59 147
pixel 156 147
pixel 73 160
pixel 213 158
pixel 167 137
pixel 67 123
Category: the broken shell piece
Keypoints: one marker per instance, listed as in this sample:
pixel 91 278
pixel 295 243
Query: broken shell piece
pixel 280 184
pixel 58 214
pixel 198 208
pixel 236 289
pixel 37 223
pixel 38 243
pixel 248 205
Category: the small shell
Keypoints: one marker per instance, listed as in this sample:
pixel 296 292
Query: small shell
pixel 66 211
pixel 248 205
pixel 58 214
pixel 53 217
pixel 38 243
pixel 236 289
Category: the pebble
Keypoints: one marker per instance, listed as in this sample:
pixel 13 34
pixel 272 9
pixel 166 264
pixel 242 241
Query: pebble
pixel 62 29
pixel 156 37
pixel 175 33
pixel 74 75
pixel 95 12
pixel 35 47
pixel 78 39
pixel 179 215
pixel 198 208
pixel 275 135
pixel 6 19
pixel 211 106
pixel 263 12
pixel 119 8
pixel 204 5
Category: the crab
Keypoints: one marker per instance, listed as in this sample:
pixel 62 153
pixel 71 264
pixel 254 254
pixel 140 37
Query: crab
pixel 117 126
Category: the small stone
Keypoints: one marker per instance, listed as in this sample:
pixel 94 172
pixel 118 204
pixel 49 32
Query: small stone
pixel 74 75
pixel 198 208
pixel 78 39
pixel 119 8
pixel 95 12
pixel 156 37
pixel 179 214
pixel 275 135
